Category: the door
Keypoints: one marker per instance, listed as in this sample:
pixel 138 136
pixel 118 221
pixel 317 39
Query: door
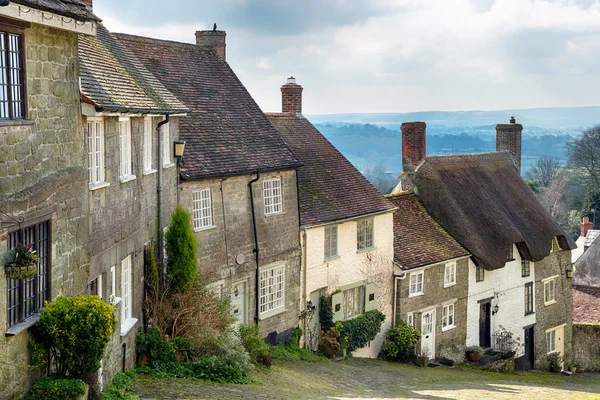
pixel 485 328
pixel 560 344
pixel 239 303
pixel 529 357
pixel 428 334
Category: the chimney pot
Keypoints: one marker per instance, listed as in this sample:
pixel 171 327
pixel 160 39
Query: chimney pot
pixel 413 142
pixel 508 138
pixel 213 40
pixel 291 96
pixel 513 120
pixel 291 80
pixel 88 4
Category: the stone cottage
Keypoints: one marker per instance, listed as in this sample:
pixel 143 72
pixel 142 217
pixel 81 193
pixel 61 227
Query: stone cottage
pixel 238 179
pixel 130 121
pixel 345 224
pixel 43 169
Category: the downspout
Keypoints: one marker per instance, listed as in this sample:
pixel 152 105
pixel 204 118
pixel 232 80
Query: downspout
pixel 159 206
pixel 256 250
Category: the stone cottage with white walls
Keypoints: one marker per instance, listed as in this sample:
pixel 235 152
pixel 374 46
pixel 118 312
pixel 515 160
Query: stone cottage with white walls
pixel 238 179
pixel 128 159
pixel 345 225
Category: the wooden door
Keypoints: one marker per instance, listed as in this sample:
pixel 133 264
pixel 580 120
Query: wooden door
pixel 485 334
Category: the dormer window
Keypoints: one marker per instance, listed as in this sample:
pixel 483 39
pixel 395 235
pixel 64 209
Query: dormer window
pixel 511 255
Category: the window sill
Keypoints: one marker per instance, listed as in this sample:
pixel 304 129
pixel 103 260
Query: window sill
pixel 332 258
pixel 149 171
pixel 128 325
pixel 272 313
pixel 22 326
pixel 273 214
pixel 529 313
pixel 205 228
pixel 549 303
pixel 168 165
pixel 99 185
pixel 16 122
pixel 449 285
pixel 127 178
pixel 114 300
pixel 416 294
pixel 525 276
pixel 366 249
pixel 448 328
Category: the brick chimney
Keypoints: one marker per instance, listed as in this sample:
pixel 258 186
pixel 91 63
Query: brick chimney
pixel 291 96
pixel 214 40
pixel 586 225
pixel 413 142
pixel 88 4
pixel 508 137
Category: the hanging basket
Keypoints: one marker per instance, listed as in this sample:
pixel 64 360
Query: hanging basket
pixel 20 271
pixel 20 262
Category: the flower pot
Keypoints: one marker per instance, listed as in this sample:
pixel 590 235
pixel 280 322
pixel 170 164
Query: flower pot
pixel 473 357
pixel 20 271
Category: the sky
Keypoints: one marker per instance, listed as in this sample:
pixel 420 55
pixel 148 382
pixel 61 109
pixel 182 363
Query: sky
pixel 359 56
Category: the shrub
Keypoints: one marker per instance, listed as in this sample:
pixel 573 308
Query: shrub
pixel 120 388
pixel 329 345
pixel 230 349
pixel 152 276
pixel 75 331
pixel 56 388
pixel 180 246
pixel 290 353
pixel 554 362
pixel 325 313
pixel 362 329
pixel 255 345
pixel 400 343
pixel 206 368
pixel 152 344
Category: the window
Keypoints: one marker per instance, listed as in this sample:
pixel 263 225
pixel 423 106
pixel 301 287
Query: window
pixel 125 166
pixel 529 298
pixel 416 284
pixel 450 274
pixel 148 144
pixel 96 286
pixel 26 297
pixel 331 242
pixel 479 274
pixel 510 256
pixel 166 145
pixel 95 133
pixel 202 209
pixel 551 341
pixel 549 291
pixel 555 246
pixel 448 317
pixel 410 319
pixel 272 289
pixel 126 292
pixel 113 299
pixel 364 234
pixel 12 89
pixel 525 268
pixel 353 302
pixel 272 196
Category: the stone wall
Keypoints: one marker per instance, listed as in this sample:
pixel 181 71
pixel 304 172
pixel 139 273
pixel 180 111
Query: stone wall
pixel 43 175
pixel 586 347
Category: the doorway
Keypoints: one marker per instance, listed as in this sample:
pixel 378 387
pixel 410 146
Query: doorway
pixel 485 326
pixel 529 356
pixel 239 303
pixel 428 334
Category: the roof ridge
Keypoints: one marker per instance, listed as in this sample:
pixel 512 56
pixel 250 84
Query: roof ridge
pixel 130 37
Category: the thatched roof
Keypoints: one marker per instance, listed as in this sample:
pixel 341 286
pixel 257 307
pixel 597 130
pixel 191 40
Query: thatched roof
pixel 483 202
pixel 588 267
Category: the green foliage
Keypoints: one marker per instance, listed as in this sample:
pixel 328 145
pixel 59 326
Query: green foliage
pixel 255 345
pixel 533 185
pixel 39 354
pixel 157 349
pixel 329 345
pixel 180 246
pixel 400 343
pixel 295 339
pixel 20 262
pixel 362 329
pixel 290 353
pixel 554 362
pixel 75 331
pixel 152 276
pixel 205 368
pixel 120 388
pixel 325 313
pixel 56 388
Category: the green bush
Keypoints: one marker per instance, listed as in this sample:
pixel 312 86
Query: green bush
pixel 56 388
pixel 329 345
pixel 206 368
pixel 180 246
pixel 362 329
pixel 325 313
pixel 255 345
pixel 400 343
pixel 152 276
pixel 291 353
pixel 120 388
pixel 153 346
pixel 75 331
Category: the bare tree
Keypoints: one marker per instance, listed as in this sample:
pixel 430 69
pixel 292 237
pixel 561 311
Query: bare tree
pixel 378 268
pixel 584 153
pixel 553 199
pixel 546 170
pixel 381 179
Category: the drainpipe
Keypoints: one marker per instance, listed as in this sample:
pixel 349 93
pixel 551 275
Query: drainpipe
pixel 159 206
pixel 255 251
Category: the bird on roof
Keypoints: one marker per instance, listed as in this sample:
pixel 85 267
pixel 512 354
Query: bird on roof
pixel 215 27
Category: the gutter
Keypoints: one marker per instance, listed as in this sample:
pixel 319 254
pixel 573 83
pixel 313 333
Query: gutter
pixel 159 205
pixel 256 249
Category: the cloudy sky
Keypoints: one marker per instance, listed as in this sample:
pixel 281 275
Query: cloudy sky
pixel 392 55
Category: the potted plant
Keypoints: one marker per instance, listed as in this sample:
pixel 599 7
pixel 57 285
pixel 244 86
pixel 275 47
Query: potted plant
pixel 473 353
pixel 555 362
pixel 20 262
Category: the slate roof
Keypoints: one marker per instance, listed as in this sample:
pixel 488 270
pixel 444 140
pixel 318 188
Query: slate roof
pixel 586 304
pixel 418 239
pixel 68 8
pixel 226 132
pixel 331 189
pixel 588 267
pixel 483 202
pixel 113 79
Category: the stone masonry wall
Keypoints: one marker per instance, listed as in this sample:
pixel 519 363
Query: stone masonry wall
pixel 586 347
pixel 43 175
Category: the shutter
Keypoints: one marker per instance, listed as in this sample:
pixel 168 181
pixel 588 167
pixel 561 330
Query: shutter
pixel 371 297
pixel 337 301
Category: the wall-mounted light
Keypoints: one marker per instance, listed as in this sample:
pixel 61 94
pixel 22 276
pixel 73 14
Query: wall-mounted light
pixel 569 271
pixel 310 306
pixel 178 148
pixel 496 308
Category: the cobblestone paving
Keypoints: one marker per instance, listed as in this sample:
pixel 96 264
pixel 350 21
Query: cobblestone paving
pixel 373 379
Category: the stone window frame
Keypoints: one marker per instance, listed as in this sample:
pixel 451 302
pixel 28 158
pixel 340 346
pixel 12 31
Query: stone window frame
pixel 273 195
pixel 365 234
pixel 450 270
pixel 525 268
pixel 549 290
pixel 148 146
pixel 416 288
pixel 529 298
pixel 96 153
pixel 448 315
pixel 166 146
pixel 127 319
pixel 202 215
pixel 330 242
pixel 479 274
pixel 125 150
pixel 410 319
pixel 271 290
pixel 14 29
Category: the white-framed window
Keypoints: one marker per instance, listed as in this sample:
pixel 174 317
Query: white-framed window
pixel 202 213
pixel 126 292
pixel 551 341
pixel 113 298
pixel 364 234
pixel 96 286
pixel 549 290
pixel 148 144
pixel 353 302
pixel 125 165
pixel 450 274
pixel 167 145
pixel 271 290
pixel 448 316
pixel 331 238
pixel 95 133
pixel 272 196
pixel 410 319
pixel 416 283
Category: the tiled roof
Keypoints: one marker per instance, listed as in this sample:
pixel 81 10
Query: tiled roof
pixel 586 304
pixel 331 189
pixel 483 202
pixel 226 132
pixel 588 267
pixel 114 80
pixel 418 239
pixel 69 8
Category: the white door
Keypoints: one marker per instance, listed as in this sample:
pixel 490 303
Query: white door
pixel 239 303
pixel 560 344
pixel 428 334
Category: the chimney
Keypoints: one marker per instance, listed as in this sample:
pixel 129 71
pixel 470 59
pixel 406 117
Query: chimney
pixel 291 96
pixel 413 143
pixel 88 4
pixel 213 40
pixel 508 137
pixel 586 225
